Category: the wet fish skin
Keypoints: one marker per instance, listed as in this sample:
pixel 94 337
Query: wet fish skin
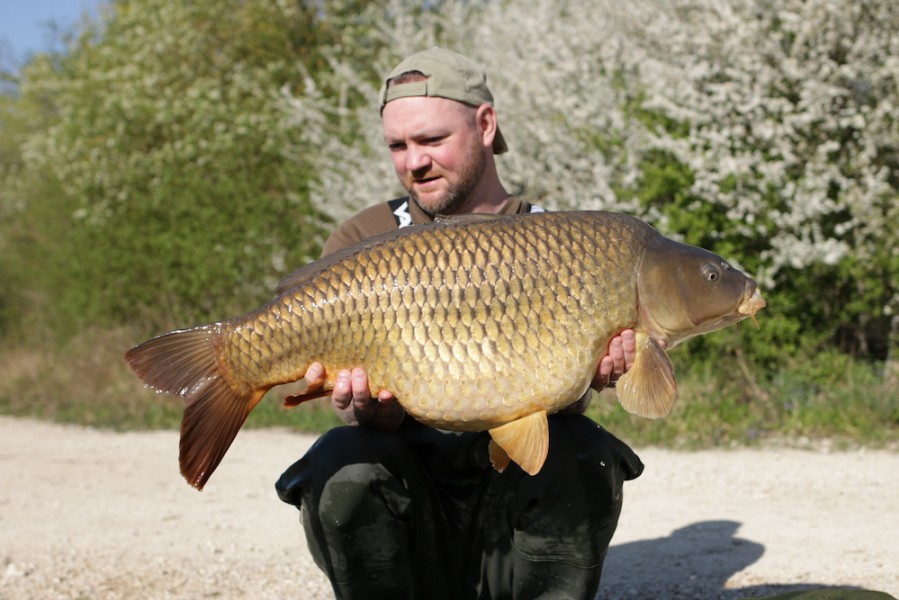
pixel 474 323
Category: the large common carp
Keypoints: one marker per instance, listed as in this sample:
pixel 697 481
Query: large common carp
pixel 473 323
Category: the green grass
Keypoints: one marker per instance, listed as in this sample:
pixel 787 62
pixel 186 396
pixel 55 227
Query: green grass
pixel 85 381
pixel 717 409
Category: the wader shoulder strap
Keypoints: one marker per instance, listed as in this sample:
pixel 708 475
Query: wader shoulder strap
pixel 400 209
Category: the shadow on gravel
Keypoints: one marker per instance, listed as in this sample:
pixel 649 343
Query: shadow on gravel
pixel 693 563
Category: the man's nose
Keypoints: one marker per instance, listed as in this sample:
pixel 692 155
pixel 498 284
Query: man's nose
pixel 417 158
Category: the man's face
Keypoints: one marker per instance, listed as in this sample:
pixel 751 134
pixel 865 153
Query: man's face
pixel 437 151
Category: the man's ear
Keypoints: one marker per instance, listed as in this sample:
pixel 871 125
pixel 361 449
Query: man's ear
pixel 487 124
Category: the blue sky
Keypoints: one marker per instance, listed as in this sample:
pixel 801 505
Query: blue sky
pixel 22 29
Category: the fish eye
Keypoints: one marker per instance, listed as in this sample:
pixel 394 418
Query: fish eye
pixel 711 272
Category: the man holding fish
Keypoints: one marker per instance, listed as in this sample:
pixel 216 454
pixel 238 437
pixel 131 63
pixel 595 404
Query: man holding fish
pixel 395 509
pixel 463 351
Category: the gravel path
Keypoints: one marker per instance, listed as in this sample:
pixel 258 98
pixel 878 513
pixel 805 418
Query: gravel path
pixel 88 514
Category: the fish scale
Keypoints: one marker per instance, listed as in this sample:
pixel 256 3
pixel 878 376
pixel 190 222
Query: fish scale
pixel 473 324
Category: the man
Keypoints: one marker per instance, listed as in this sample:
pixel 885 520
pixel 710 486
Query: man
pixel 394 509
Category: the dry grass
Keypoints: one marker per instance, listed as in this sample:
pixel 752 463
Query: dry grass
pixel 86 381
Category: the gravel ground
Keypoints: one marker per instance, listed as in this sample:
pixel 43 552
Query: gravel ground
pixel 87 514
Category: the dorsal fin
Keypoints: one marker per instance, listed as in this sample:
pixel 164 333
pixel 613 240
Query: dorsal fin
pixel 468 218
pixel 302 275
pixel 525 441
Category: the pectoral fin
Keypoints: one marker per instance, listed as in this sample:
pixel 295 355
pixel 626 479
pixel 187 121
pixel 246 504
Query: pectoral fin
pixel 525 441
pixel 649 388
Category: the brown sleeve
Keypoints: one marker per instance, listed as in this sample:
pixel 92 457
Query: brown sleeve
pixel 371 221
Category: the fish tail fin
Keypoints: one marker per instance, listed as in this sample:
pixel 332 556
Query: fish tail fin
pixel 185 363
pixel 209 425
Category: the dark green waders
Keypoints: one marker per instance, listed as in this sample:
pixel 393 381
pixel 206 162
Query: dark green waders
pixel 420 513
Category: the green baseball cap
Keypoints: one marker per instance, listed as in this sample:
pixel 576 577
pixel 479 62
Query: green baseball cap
pixel 449 75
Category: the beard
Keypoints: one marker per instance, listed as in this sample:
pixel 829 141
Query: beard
pixel 458 192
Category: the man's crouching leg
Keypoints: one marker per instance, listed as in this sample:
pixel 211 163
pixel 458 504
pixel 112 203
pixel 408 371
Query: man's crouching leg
pixel 562 519
pixel 366 506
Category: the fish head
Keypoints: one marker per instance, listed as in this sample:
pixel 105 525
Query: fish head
pixel 685 291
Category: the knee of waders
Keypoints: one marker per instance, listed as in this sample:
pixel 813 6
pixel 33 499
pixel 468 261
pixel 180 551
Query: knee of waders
pixel 569 510
pixel 359 533
pixel 579 443
pixel 363 495
pixel 344 468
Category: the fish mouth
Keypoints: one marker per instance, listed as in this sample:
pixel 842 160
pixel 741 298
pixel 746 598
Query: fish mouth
pixel 752 305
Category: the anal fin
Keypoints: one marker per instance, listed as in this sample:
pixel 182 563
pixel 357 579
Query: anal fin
pixel 525 441
pixel 649 388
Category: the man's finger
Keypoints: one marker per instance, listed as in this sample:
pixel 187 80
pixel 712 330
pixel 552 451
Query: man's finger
pixel 342 393
pixel 616 354
pixel 315 375
pixel 603 373
pixel 386 396
pixel 629 346
pixel 359 386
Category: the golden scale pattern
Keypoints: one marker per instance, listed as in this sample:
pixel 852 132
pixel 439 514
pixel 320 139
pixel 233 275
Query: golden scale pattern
pixel 439 317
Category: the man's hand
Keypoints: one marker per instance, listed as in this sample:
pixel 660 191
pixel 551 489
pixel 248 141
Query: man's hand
pixel 622 352
pixel 620 358
pixel 352 400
